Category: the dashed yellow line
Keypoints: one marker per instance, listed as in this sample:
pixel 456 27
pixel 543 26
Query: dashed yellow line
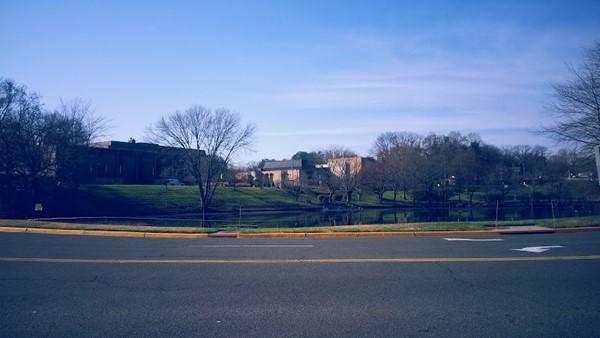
pixel 297 261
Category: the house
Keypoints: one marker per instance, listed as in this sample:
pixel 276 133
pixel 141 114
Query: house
pixel 348 166
pixel 278 173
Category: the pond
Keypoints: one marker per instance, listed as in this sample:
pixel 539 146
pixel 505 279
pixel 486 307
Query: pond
pixel 289 219
pixel 386 216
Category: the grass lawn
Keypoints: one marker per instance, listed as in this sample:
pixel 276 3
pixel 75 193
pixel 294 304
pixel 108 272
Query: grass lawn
pixel 258 198
pixel 119 200
pixel 573 222
pixel 591 221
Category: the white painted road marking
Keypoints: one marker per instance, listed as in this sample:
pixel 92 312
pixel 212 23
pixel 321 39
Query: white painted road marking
pixel 252 246
pixel 475 239
pixel 539 249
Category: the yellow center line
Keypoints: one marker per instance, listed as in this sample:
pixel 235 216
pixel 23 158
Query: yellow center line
pixel 290 261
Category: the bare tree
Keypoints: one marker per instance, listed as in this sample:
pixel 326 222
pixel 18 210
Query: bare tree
pixel 330 176
pixel 397 152
pixel 575 105
pixel 345 166
pixel 208 138
pixel 294 188
pixel 20 112
pixel 530 160
pixel 337 151
pixel 88 126
pixel 384 144
pixel 374 178
pixel 74 126
pixel 18 107
pixel 331 182
pixel 40 149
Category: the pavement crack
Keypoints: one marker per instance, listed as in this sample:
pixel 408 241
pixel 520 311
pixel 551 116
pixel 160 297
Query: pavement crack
pixel 454 276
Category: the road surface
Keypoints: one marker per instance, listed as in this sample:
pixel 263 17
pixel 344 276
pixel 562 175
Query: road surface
pixel 520 285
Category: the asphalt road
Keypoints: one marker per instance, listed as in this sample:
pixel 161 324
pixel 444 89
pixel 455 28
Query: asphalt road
pixel 371 287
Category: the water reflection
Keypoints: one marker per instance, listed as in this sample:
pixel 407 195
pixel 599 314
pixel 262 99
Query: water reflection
pixel 354 217
pixel 393 216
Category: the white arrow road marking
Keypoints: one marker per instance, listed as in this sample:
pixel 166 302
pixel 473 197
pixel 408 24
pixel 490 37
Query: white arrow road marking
pixel 538 249
pixel 475 239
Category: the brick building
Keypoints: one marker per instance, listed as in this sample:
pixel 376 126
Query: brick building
pixel 114 162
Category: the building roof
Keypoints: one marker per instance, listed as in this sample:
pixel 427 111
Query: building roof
pixel 126 146
pixel 137 147
pixel 282 165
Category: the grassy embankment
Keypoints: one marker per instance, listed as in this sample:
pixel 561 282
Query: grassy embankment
pixel 590 221
pixel 136 200
pixel 122 200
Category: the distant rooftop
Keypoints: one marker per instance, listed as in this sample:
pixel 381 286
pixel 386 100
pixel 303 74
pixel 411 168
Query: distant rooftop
pixel 126 145
pixel 282 165
pixel 134 146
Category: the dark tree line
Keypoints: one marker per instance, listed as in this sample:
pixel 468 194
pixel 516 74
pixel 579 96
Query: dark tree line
pixel 437 168
pixel 434 168
pixel 40 149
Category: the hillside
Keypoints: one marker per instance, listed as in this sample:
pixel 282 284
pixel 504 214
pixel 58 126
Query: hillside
pixel 125 200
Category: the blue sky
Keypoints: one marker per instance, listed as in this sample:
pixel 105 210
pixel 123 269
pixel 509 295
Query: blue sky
pixel 309 74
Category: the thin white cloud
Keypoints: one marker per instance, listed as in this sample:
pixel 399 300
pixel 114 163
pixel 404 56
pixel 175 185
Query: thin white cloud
pixel 432 88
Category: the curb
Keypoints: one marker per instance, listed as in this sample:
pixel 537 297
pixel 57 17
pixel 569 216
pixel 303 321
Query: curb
pixel 368 234
pixel 55 231
pixel 12 229
pixel 173 235
pixel 385 234
pixel 273 235
pixel 227 234
pixel 104 233
pixel 224 234
pixel 113 233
